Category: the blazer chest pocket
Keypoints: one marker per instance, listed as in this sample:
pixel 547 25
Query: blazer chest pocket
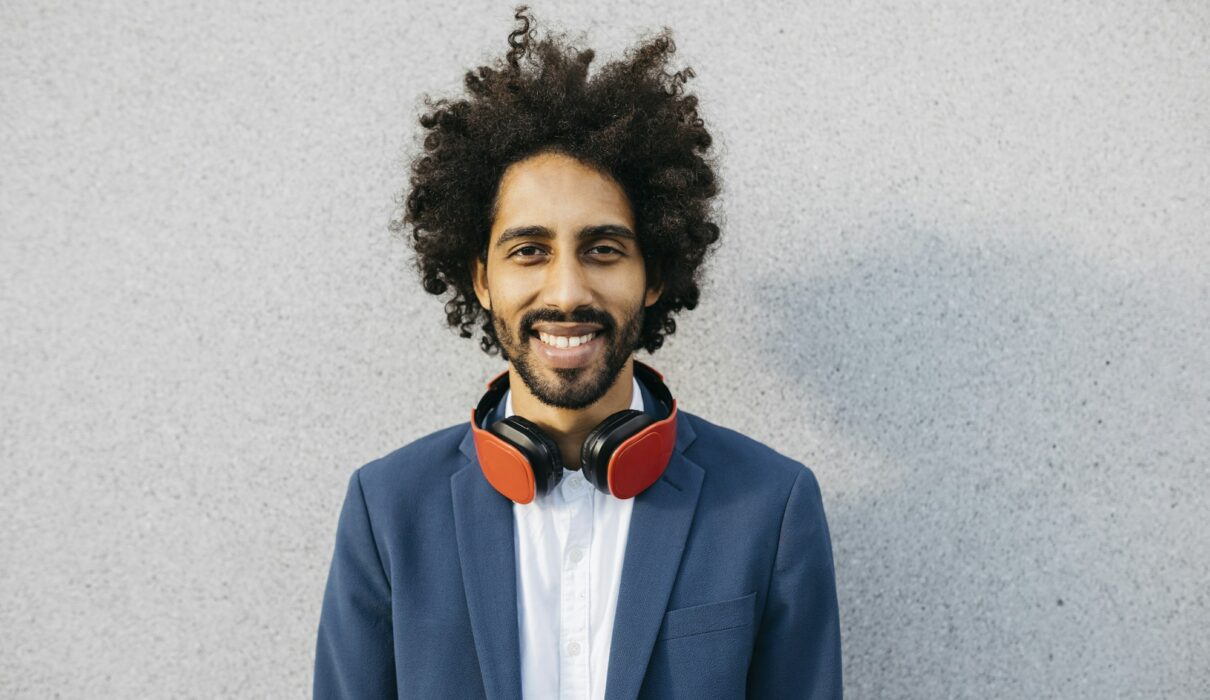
pixel 709 617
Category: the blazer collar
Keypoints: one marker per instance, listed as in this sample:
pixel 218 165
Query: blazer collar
pixel 483 526
pixel 483 523
pixel 659 526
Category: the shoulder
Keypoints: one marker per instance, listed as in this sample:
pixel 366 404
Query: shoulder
pixel 419 466
pixel 722 447
pixel 733 460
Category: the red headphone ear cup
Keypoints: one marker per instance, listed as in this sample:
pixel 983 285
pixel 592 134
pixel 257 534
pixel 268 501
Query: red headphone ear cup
pixel 541 452
pixel 604 439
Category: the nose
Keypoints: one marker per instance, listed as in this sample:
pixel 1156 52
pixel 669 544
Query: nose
pixel 566 285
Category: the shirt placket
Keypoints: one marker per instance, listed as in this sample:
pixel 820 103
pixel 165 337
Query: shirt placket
pixel 573 591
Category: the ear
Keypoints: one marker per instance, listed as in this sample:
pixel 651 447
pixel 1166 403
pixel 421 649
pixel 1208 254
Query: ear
pixel 654 291
pixel 479 280
pixel 653 295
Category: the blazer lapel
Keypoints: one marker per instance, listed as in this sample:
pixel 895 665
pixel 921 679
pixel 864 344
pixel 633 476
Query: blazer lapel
pixel 659 525
pixel 483 523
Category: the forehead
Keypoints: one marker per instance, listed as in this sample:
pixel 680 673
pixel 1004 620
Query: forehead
pixel 561 193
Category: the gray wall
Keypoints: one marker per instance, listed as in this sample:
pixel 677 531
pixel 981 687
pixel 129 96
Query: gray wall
pixel 964 278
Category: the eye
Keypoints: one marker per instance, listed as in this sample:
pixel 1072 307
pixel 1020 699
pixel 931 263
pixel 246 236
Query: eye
pixel 608 250
pixel 522 251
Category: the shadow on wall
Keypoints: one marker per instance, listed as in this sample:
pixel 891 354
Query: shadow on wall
pixel 1029 525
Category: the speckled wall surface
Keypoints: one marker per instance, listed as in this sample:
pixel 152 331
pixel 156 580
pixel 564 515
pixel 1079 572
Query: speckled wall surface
pixel 964 278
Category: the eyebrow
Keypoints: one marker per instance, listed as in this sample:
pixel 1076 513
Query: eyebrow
pixel 585 233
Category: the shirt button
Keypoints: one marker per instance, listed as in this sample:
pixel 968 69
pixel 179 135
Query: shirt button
pixel 576 555
pixel 573 649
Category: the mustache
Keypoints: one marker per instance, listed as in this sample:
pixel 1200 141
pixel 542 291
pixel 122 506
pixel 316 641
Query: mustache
pixel 585 315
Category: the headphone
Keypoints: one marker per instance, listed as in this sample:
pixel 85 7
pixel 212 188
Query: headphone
pixel 622 455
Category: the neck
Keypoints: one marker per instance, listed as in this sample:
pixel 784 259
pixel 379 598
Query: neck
pixel 569 427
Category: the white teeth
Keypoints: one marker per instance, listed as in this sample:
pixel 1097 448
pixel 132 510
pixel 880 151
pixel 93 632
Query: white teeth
pixel 563 341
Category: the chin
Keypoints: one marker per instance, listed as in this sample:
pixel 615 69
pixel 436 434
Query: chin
pixel 567 388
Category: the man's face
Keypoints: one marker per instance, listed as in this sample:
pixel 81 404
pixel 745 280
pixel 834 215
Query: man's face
pixel 562 264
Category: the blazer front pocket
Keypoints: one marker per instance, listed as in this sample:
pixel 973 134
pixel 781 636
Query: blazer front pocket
pixel 708 617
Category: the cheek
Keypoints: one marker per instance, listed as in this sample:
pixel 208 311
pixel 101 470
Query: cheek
pixel 621 287
pixel 506 291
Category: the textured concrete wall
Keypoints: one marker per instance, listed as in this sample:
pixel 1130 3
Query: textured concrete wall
pixel 964 277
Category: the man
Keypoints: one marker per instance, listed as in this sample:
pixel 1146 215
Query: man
pixel 581 537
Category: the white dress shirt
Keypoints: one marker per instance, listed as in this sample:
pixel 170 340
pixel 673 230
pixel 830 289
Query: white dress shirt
pixel 570 544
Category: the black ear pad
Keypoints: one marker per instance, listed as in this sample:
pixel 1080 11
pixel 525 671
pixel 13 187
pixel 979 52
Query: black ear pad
pixel 604 439
pixel 536 446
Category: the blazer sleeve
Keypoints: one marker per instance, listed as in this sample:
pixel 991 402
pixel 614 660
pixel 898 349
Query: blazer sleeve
pixel 797 651
pixel 354 655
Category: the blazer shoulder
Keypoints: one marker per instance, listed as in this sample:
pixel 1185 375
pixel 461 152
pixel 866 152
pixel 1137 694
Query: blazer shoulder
pixel 723 450
pixel 426 461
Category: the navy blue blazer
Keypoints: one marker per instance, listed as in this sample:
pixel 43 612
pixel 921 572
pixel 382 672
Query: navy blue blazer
pixel 727 586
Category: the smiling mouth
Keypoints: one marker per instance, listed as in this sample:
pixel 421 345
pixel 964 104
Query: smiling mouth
pixel 559 352
pixel 565 341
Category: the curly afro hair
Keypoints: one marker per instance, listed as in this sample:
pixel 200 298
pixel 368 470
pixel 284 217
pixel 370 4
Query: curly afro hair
pixel 631 120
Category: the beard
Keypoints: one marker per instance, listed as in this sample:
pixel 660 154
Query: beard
pixel 572 387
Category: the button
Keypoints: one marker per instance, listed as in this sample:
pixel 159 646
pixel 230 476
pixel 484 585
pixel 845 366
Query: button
pixel 573 649
pixel 576 555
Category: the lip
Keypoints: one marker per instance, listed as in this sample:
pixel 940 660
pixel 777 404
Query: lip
pixel 566 328
pixel 567 358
